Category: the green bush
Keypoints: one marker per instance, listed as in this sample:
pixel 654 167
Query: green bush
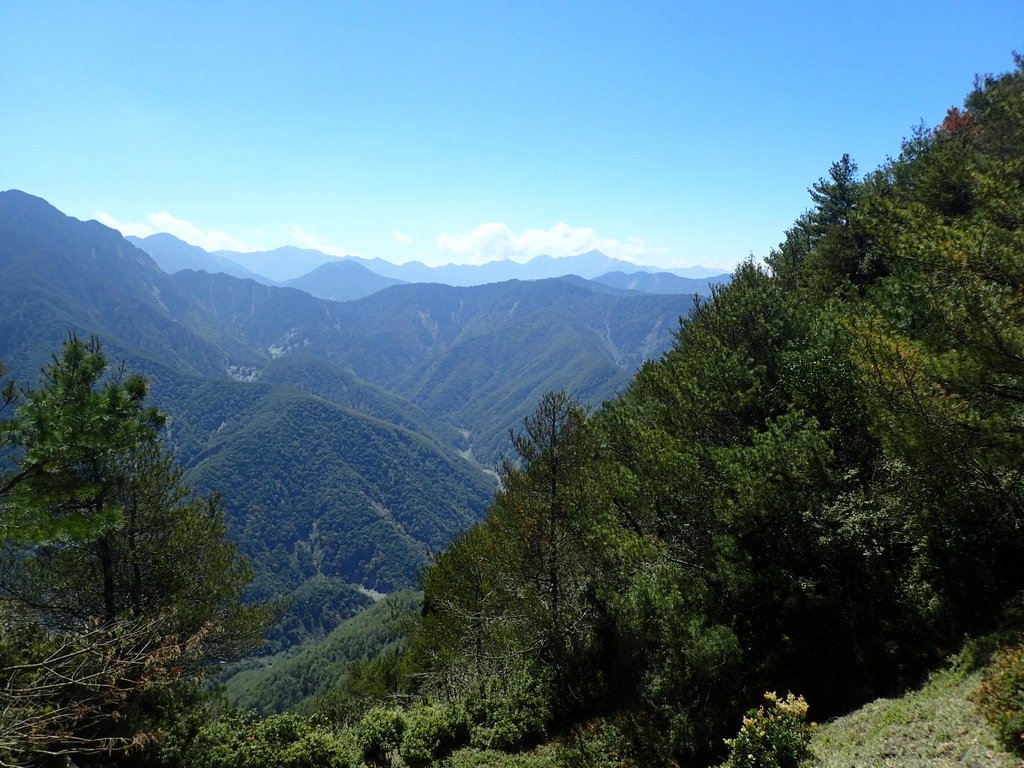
pixel 600 744
pixel 431 732
pixel 319 749
pixel 511 713
pixel 777 736
pixel 1001 697
pixel 218 744
pixel 379 735
pixel 245 741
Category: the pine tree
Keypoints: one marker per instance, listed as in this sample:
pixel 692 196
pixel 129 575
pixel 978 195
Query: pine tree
pixel 115 581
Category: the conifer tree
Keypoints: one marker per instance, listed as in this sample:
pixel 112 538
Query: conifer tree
pixel 116 583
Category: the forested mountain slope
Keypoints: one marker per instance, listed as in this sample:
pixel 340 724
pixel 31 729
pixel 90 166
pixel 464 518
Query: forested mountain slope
pixel 264 383
pixel 474 357
pixel 817 489
pixel 59 275
pixel 313 488
pixel 477 355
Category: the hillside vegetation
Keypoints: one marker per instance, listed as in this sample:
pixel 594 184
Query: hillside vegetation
pixel 313 676
pixel 817 492
pixel 936 725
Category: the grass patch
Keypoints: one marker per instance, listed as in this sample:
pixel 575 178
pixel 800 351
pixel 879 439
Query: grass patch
pixel 542 757
pixel 938 725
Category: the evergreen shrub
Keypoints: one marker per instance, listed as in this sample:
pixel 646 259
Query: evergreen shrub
pixel 432 732
pixel 600 744
pixel 244 741
pixel 511 713
pixel 379 735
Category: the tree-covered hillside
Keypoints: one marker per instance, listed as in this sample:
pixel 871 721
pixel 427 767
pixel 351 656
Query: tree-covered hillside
pixel 316 675
pixel 348 496
pixel 473 358
pixel 349 440
pixel 817 489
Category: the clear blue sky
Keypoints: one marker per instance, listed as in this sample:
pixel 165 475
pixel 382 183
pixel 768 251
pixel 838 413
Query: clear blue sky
pixel 671 133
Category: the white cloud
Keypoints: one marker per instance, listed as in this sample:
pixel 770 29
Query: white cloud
pixel 493 241
pixel 490 241
pixel 306 239
pixel 128 230
pixel 162 221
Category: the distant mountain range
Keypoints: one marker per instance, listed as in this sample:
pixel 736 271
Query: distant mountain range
pixel 349 439
pixel 173 255
pixel 351 277
pixel 586 265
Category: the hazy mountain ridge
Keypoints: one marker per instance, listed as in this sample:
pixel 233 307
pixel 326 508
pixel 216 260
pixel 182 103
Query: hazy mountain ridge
pixel 588 265
pixel 342 280
pixel 280 264
pixel 660 282
pixel 173 255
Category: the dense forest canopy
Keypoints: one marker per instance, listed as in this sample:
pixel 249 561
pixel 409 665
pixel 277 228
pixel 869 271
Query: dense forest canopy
pixel 818 489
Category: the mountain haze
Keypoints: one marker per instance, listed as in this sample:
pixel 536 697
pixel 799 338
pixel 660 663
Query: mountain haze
pixel 324 276
pixel 661 282
pixel 173 255
pixel 588 265
pixel 351 438
pixel 280 264
pixel 230 432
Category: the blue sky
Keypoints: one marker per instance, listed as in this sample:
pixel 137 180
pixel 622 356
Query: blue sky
pixel 668 133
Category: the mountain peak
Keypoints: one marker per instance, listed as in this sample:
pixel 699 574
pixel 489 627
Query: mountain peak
pixel 23 217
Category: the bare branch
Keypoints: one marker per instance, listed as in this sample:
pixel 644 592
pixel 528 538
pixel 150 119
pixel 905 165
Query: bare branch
pixel 55 703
